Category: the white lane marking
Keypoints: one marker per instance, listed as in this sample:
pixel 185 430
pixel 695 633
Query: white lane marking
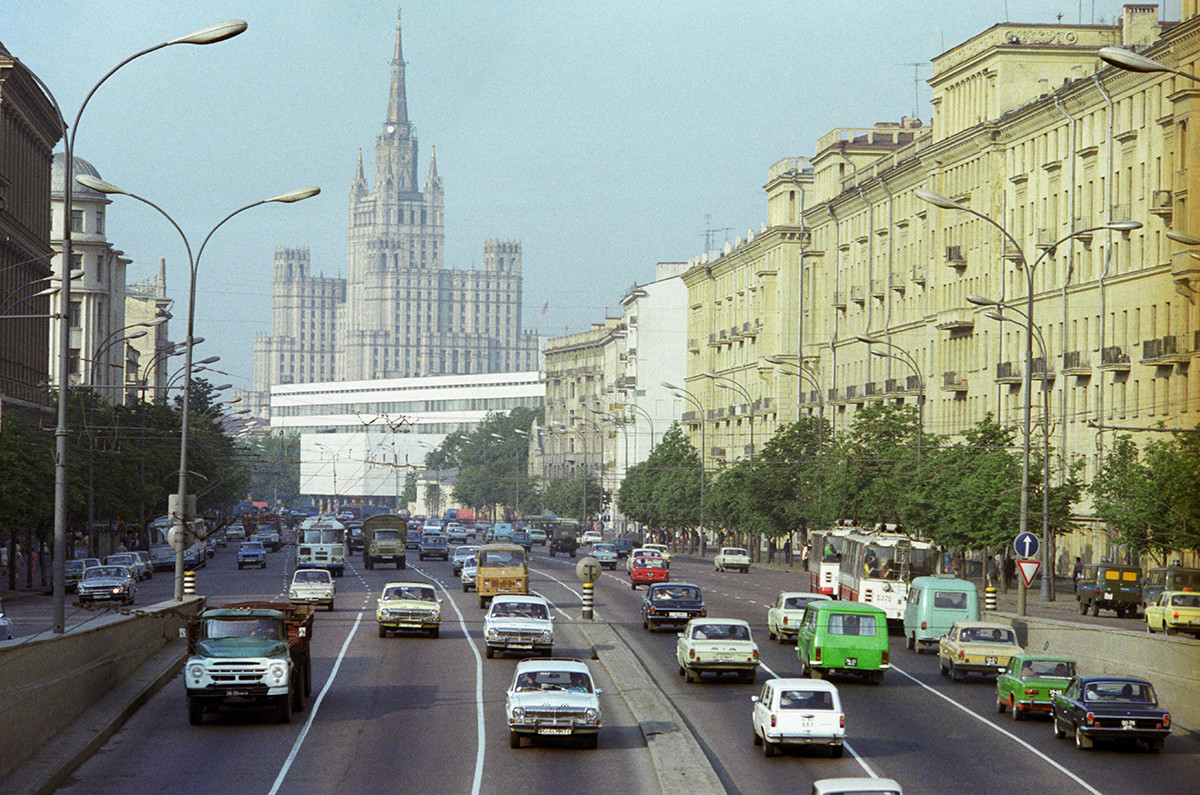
pixel 312 713
pixel 845 744
pixel 480 732
pixel 1005 732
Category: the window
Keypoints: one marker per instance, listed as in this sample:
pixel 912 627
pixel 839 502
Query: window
pixel 99 222
pixel 76 220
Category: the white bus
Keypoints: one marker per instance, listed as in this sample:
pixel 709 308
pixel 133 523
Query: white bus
pixel 162 554
pixel 825 557
pixel 877 567
pixel 321 544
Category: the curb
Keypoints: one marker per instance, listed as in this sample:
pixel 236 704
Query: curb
pixel 52 764
pixel 679 762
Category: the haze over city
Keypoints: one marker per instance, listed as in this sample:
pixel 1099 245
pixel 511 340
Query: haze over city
pixel 604 137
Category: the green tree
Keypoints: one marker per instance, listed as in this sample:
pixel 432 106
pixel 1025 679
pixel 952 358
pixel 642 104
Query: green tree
pixel 568 496
pixel 663 492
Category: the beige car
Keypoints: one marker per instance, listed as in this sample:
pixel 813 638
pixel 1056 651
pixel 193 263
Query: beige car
pixel 783 617
pixel 980 647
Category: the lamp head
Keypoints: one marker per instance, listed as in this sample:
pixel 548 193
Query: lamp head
pixel 979 300
pixel 1124 226
pixel 296 195
pixel 1130 60
pixel 222 387
pixel 155 321
pixel 213 33
pixel 99 185
pixel 866 338
pixel 937 199
pixel 1183 237
pixel 668 385
pixel 209 360
pixel 136 335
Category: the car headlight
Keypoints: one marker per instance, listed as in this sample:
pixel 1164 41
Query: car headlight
pixel 592 714
pixel 278 672
pixel 547 634
pixel 491 634
pixel 518 713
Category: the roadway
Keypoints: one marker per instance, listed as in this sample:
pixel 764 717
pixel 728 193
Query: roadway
pixel 388 714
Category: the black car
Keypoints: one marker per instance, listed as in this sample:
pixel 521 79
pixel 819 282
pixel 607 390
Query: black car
pixel 433 546
pixel 354 536
pixel 671 603
pixel 524 539
pixel 624 546
pixel 413 540
pixel 1110 708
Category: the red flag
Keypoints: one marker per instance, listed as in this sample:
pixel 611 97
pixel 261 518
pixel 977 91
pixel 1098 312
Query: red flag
pixel 545 306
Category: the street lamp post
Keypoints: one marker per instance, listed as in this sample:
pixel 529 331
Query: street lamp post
pixel 210 35
pixel 1028 267
pixel 184 515
pixel 1131 61
pixel 907 358
pixel 724 382
pixel 680 392
pixel 804 376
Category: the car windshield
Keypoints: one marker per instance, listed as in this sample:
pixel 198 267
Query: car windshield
pixel 1131 692
pixel 649 563
pixel 312 575
pixel 720 632
pixel 119 560
pixel 434 541
pixel 1185 600
pixel 252 546
pixel 851 624
pixel 1053 668
pixel 570 681
pixel 387 535
pixel 502 558
pixel 321 536
pixel 416 592
pixel 74 565
pixel 215 628
pixel 987 635
pixel 519 610
pixel 805 699
pixel 675 592
pixel 95 572
pixel 734 551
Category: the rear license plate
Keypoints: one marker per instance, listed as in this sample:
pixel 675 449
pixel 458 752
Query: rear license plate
pixel 852 661
pixel 677 615
pixel 1054 693
pixel 1108 596
pixel 991 661
pixel 554 730
pixel 1128 725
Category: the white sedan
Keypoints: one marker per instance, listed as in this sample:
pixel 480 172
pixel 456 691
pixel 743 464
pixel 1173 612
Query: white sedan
pixel 732 558
pixel 798 712
pixel 718 645
pixel 591 537
pixel 552 698
pixel 783 617
pixel 312 586
pixel 517 622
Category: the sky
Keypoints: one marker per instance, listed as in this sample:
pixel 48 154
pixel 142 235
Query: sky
pixel 604 136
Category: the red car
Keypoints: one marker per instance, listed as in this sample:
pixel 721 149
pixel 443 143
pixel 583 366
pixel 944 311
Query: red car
pixel 645 571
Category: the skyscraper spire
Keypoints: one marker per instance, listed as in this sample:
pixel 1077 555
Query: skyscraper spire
pixel 432 180
pixel 397 101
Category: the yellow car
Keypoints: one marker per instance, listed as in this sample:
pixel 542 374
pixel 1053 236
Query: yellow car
pixel 1174 612
pixel 410 606
pixel 981 647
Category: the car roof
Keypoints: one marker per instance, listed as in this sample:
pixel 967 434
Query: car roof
pixel 736 621
pixel 805 684
pixel 519 597
pixel 824 597
pixel 552 664
pixel 982 625
pixel 1028 655
pixel 658 586
pixel 407 584
pixel 1133 680
pixel 856 784
pixel 844 606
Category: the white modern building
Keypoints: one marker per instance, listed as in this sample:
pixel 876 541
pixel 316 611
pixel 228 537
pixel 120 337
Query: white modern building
pixel 360 439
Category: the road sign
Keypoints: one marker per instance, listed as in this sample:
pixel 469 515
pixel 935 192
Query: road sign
pixel 1028 569
pixel 1026 545
pixel 588 569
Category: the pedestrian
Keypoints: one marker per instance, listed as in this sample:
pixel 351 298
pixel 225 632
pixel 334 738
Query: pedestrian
pixel 1010 573
pixel 1077 572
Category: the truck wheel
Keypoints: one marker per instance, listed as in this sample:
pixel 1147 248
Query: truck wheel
pixel 297 695
pixel 283 708
pixel 195 711
pixel 402 563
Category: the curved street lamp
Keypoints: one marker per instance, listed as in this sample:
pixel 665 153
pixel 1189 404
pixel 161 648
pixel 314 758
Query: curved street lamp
pixel 210 35
pixel 725 382
pixel 938 200
pixel 184 515
pixel 1131 61
pixel 906 357
pixel 786 366
pixel 680 392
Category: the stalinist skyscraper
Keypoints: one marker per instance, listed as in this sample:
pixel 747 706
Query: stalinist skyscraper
pixel 400 312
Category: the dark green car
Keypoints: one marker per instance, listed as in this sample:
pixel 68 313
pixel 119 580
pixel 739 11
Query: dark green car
pixel 1030 682
pixel 1109 586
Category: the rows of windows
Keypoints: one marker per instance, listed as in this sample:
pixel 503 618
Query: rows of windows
pixel 409 406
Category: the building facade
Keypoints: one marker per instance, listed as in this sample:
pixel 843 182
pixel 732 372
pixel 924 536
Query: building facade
pixel 29 130
pixel 400 312
pixel 1034 132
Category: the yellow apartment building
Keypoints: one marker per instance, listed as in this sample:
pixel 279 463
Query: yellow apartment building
pixel 1032 130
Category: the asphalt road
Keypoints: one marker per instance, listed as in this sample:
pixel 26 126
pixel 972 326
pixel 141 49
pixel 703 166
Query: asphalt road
pixel 400 713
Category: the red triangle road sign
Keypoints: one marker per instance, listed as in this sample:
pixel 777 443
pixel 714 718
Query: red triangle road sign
pixel 1028 569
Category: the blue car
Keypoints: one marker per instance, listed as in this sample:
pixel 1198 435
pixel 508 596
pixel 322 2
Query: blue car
pixel 252 553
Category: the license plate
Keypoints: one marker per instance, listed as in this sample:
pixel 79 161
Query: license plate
pixel 553 730
pixel 677 615
pixel 1108 596
pixel 237 692
pixel 520 646
pixel 852 661
pixel 806 722
pixel 1054 693
pixel 991 661
pixel 726 657
pixel 1127 725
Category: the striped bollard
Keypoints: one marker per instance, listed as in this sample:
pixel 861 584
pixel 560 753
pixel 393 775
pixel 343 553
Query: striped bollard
pixel 989 598
pixel 587 600
pixel 189 583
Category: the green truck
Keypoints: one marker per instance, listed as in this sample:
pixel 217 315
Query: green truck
pixel 384 540
pixel 249 652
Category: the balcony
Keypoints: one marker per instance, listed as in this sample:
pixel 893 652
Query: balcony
pixel 814 396
pixel 1162 204
pixel 716 452
pixel 858 294
pixel 839 300
pixel 1040 370
pixel 871 389
pixel 1163 351
pixel 831 395
pixel 690 416
pixel 891 385
pixel 952 383
pixel 955 257
pixel 851 392
pixel 1075 363
pixel 1114 357
pixel 693 345
pixel 918 274
pixel 878 288
pixel 712 340
pixel 912 383
pixel 1008 373
pixel 956 319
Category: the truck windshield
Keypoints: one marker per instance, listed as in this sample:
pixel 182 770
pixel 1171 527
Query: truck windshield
pixel 215 628
pixel 387 535
pixel 502 558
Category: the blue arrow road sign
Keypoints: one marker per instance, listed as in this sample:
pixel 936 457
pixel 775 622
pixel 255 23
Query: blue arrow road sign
pixel 1026 545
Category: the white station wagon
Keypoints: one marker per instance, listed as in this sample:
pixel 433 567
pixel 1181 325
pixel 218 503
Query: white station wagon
pixel 784 616
pixel 792 712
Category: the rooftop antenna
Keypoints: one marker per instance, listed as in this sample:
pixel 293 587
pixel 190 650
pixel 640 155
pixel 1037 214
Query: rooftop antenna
pixel 710 232
pixel 916 66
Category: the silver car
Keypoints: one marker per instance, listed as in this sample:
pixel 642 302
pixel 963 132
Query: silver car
pixel 107 583
pixel 470 568
pixel 130 561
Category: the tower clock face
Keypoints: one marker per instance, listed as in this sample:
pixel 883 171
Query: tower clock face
pixel 391 128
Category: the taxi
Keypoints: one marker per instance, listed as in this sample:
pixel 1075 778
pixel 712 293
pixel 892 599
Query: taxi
pixel 716 645
pixel 981 647
pixel 1173 612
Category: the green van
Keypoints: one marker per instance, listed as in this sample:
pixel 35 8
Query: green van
pixel 843 637
pixel 934 603
pixel 1110 586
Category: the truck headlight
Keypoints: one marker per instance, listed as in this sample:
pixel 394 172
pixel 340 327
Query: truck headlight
pixel 196 672
pixel 278 672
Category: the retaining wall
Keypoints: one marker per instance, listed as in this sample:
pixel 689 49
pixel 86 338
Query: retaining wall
pixel 50 680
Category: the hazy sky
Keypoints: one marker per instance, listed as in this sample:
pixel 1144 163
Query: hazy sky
pixel 605 136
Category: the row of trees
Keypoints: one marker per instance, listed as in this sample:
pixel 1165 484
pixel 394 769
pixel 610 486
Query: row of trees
pixel 961 495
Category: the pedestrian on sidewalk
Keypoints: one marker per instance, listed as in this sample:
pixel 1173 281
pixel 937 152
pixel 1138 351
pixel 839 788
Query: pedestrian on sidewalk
pixel 1077 572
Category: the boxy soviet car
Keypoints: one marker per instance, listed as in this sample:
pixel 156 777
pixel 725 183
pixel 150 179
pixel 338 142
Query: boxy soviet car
pixel 1110 708
pixel 671 603
pixel 716 645
pixel 408 606
pixel 518 623
pixel 979 647
pixel 552 698
pixel 798 712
